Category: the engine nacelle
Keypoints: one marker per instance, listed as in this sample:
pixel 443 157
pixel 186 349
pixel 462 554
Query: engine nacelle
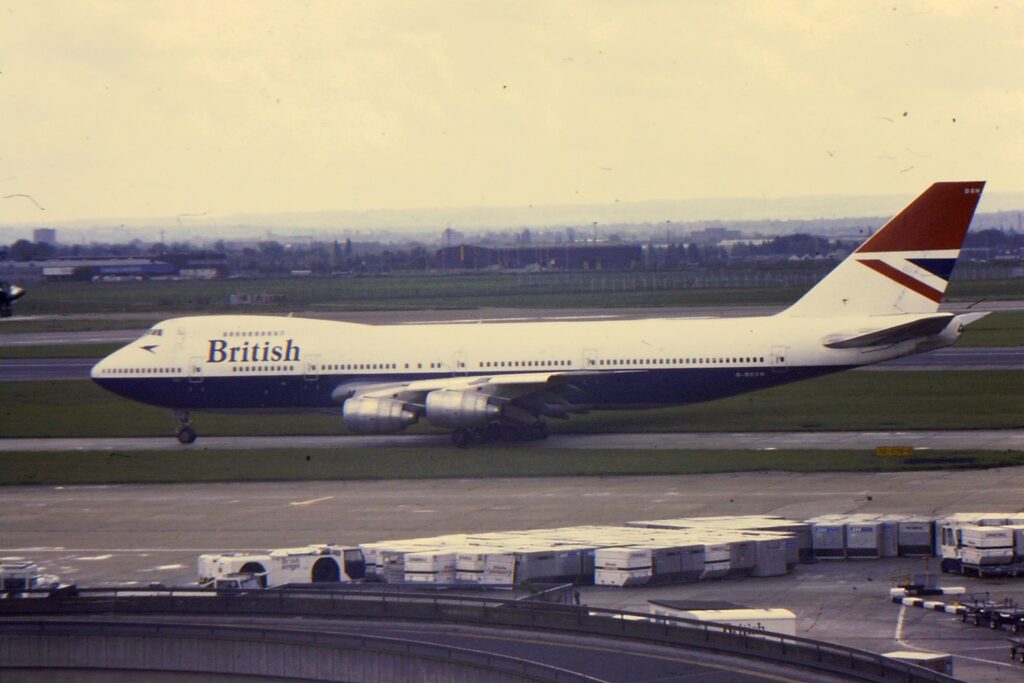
pixel 460 409
pixel 376 415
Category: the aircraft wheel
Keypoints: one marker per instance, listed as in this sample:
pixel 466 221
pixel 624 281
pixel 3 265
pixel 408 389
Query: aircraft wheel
pixel 186 435
pixel 461 438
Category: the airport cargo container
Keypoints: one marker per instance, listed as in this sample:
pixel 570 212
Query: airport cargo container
pixel 538 563
pixel 716 561
pixel 1018 539
pixel 622 577
pixel 986 537
pixel 915 537
pixel 770 557
pixel 864 540
pixel 888 541
pixel 622 566
pixel 436 566
pixel 829 539
pixel 770 620
pixel 469 563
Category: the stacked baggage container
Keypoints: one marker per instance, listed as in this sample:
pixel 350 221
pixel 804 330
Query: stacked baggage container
pixel 828 537
pixel 985 547
pixel 432 566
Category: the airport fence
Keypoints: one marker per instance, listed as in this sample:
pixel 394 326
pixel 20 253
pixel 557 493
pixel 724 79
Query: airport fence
pixel 484 611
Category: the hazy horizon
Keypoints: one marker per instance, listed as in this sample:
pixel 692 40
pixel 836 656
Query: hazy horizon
pixel 192 109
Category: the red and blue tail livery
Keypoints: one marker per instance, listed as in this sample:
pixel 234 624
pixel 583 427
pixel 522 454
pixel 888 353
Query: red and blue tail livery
pixel 501 381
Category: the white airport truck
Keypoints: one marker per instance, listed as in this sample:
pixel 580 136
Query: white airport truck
pixel 982 550
pixel 18 577
pixel 324 563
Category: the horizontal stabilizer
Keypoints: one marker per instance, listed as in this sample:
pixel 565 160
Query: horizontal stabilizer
pixel 922 327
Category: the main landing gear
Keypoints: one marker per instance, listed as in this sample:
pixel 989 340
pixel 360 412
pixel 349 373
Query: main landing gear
pixel 184 432
pixel 499 432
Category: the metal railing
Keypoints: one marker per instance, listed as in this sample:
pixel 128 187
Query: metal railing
pixel 671 631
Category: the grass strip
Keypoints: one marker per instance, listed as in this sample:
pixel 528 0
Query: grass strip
pixel 194 465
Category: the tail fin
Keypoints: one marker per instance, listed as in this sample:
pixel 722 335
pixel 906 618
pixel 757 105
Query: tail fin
pixel 905 266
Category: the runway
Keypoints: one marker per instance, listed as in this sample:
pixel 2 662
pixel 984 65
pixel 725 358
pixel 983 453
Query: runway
pixel 953 358
pixel 981 439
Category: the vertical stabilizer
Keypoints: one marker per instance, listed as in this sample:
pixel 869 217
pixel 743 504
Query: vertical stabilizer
pixel 905 266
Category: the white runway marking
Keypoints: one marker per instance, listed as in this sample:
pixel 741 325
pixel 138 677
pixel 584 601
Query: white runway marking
pixel 94 558
pixel 311 502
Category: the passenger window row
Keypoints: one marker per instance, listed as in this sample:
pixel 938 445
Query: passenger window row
pixel 255 333
pixel 680 361
pixel 140 371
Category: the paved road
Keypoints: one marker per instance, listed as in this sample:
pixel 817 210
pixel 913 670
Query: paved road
pixel 981 439
pixel 1008 358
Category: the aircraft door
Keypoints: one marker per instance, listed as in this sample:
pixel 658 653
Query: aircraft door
pixel 311 368
pixel 195 369
pixel 459 364
pixel 589 359
pixel 780 358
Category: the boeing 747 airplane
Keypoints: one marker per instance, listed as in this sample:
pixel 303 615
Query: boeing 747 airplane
pixel 499 381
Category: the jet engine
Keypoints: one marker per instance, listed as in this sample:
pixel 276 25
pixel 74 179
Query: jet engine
pixel 376 415
pixel 460 409
pixel 9 293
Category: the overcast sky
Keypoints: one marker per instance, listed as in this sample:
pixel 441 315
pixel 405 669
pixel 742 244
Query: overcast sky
pixel 138 109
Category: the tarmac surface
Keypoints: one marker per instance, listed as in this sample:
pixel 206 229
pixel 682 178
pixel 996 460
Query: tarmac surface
pixel 447 316
pixel 980 439
pixel 148 533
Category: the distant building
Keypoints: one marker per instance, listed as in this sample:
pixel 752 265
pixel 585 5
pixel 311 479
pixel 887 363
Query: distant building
pixel 450 238
pixel 197 265
pixel 714 235
pixel 45 236
pixel 557 257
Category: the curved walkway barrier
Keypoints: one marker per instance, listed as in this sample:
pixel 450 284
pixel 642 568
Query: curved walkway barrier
pixel 731 640
pixel 255 651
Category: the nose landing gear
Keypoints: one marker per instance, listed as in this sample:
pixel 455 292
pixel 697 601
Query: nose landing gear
pixel 184 432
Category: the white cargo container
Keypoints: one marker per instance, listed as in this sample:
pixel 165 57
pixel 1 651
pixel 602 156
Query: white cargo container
pixel 499 569
pixel 323 563
pixel 430 567
pixel 828 539
pixel 628 557
pixel 771 620
pixel 470 562
pixel 716 561
pixel 864 540
pixel 622 577
pixel 986 537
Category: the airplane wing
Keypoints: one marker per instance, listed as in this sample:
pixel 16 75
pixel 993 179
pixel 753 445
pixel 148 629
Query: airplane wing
pixel 539 393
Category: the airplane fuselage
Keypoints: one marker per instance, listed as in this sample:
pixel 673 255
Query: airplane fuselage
pixel 267 362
